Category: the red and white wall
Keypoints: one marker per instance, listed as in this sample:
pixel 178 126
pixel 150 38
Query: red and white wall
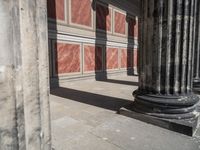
pixel 87 37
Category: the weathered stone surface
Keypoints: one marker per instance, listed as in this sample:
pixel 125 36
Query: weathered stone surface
pixel 165 66
pixel 24 87
pixel 196 46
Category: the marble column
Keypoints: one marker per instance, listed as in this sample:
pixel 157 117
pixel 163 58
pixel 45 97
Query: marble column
pixel 24 83
pixel 165 64
pixel 196 46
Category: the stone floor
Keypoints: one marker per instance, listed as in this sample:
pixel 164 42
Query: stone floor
pixel 83 116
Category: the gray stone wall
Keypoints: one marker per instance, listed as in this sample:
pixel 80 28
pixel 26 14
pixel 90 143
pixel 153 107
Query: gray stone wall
pixel 24 87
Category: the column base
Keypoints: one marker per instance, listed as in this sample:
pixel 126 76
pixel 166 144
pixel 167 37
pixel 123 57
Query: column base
pixel 184 126
pixel 196 85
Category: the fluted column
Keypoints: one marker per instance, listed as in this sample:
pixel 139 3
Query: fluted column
pixel 166 64
pixel 196 46
pixel 24 87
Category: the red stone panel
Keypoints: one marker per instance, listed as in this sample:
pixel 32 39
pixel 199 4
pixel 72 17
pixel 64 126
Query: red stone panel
pixel 56 9
pixel 81 12
pixel 135 57
pixel 112 58
pixel 126 59
pixel 103 17
pixel 67 58
pixel 92 58
pixel 120 23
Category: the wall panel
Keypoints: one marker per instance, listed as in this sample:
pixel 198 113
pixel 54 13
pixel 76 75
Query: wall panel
pixel 67 58
pixel 81 12
pixel 93 58
pixel 112 58
pixel 119 22
pixel 126 58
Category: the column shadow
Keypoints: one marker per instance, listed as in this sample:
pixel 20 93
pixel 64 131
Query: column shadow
pixel 130 44
pixel 101 30
pixel 133 83
pixel 102 101
pixel 101 11
pixel 52 28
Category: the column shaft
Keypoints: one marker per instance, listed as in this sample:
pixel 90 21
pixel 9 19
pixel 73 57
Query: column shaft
pixel 166 59
pixel 24 87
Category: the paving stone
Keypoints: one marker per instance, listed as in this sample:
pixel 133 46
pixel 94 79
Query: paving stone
pixel 89 142
pixel 87 123
pixel 133 134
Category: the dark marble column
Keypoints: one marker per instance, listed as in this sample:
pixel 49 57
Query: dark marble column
pixel 24 83
pixel 165 63
pixel 196 46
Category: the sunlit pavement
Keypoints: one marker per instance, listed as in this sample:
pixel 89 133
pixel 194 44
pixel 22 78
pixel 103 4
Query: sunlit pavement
pixel 83 117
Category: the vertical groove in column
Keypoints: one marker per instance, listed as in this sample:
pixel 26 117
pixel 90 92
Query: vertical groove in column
pixel 157 37
pixel 173 46
pixel 190 50
pixel 177 46
pixel 184 44
pixel 168 47
pixel 140 63
pixel 145 46
pixel 164 14
pixel 149 45
pixel 196 43
pixel 196 56
pixel 193 41
pixel 142 45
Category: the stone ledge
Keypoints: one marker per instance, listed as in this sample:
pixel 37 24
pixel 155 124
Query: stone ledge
pixel 187 126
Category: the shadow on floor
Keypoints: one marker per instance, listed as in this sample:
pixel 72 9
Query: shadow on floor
pixel 121 82
pixel 107 102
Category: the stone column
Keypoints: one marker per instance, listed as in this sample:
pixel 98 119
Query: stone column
pixel 165 64
pixel 196 46
pixel 24 83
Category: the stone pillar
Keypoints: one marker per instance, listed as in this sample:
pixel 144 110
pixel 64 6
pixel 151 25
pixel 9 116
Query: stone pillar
pixel 24 83
pixel 196 46
pixel 165 94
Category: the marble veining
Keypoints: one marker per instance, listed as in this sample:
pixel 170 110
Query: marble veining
pixel 126 58
pixel 68 58
pixel 81 12
pixel 135 58
pixel 112 58
pixel 92 58
pixel 120 23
